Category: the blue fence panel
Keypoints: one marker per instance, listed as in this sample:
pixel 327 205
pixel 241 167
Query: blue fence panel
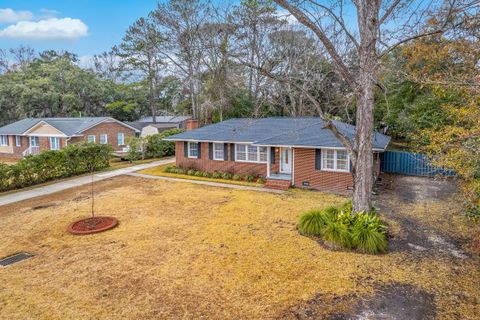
pixel 412 164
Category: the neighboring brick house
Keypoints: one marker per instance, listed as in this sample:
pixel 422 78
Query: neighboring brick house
pixel 287 151
pixel 34 135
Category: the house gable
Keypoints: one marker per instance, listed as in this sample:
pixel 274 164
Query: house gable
pixel 44 129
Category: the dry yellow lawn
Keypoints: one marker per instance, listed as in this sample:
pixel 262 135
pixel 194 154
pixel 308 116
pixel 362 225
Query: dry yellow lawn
pixel 186 251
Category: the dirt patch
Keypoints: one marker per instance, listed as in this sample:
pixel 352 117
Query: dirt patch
pixel 416 189
pixel 394 301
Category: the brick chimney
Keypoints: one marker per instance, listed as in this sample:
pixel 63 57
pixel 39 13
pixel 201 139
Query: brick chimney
pixel 191 124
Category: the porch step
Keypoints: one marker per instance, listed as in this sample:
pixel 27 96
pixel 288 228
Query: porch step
pixel 278 184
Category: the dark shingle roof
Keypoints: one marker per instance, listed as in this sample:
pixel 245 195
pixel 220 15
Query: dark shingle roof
pixel 165 119
pixel 307 132
pixel 69 126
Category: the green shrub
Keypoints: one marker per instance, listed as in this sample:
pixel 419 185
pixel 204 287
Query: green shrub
pixel 191 172
pixel 236 177
pixel 337 233
pixel 227 176
pixel 206 174
pixel 312 223
pixel 249 178
pixel 170 169
pixel 368 233
pixel 155 147
pixel 180 171
pixel 216 175
pixel 261 180
pixel 49 165
pixel 198 173
pixel 338 225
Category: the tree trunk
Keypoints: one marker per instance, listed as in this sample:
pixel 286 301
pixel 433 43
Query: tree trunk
pixel 367 12
pixel 363 168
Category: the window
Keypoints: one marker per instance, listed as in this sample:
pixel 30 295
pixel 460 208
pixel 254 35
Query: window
pixel 241 152
pixel 263 154
pixel 193 149
pixel 252 153
pixel 335 160
pixel 121 139
pixel 103 138
pixel 3 140
pixel 34 141
pixel 18 141
pixel 54 143
pixel 249 153
pixel 91 138
pixel 218 151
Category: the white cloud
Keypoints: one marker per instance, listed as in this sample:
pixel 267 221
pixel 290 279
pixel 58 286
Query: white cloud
pixel 48 29
pixel 8 15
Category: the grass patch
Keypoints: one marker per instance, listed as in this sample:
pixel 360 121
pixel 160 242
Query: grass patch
pixel 193 251
pixel 192 175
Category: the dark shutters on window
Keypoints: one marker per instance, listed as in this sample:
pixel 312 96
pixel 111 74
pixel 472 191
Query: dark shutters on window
pixel 232 152
pixel 199 150
pixel 210 151
pixel 272 155
pixel 318 159
pixel 225 151
pixel 185 149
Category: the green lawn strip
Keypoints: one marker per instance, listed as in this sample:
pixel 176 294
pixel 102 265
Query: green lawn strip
pixel 160 171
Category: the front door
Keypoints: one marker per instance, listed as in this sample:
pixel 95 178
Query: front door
pixel 286 160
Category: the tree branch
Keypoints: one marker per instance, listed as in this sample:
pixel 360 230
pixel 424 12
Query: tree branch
pixel 306 21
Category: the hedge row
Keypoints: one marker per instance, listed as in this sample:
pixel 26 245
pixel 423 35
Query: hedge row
pixel 214 175
pixel 50 165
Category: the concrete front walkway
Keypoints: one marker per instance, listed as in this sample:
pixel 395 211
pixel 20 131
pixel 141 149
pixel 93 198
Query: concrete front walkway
pixel 206 183
pixel 75 182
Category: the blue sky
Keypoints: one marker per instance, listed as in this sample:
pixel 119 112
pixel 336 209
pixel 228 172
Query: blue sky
pixel 93 26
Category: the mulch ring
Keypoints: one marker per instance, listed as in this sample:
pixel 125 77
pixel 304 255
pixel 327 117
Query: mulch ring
pixel 92 225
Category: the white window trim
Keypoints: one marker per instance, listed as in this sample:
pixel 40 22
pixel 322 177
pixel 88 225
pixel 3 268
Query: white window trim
pixel 246 154
pixel 18 141
pixel 190 156
pixel 121 134
pixel 335 161
pixel 93 140
pixel 106 138
pixel 34 138
pixel 58 147
pixel 223 152
pixel 2 144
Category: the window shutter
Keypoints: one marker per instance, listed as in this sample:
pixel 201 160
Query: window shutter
pixel 272 155
pixel 199 150
pixel 351 166
pixel 185 149
pixel 232 152
pixel 225 151
pixel 210 151
pixel 318 159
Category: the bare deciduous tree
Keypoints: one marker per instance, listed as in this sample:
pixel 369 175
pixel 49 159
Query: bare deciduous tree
pixel 373 29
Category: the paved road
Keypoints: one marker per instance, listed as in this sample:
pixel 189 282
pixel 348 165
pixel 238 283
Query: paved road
pixel 75 182
pixel 206 183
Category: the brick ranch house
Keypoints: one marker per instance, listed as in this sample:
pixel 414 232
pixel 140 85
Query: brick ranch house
pixel 286 151
pixel 34 135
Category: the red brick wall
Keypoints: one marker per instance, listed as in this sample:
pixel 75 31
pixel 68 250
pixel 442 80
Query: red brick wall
pixel 205 164
pixel 304 171
pixel 109 128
